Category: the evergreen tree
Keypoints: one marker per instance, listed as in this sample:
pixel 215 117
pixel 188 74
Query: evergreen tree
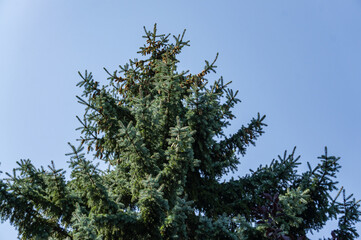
pixel 161 133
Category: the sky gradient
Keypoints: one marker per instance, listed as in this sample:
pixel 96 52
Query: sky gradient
pixel 298 62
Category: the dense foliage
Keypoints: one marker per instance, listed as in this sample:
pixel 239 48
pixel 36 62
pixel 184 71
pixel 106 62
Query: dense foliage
pixel 161 133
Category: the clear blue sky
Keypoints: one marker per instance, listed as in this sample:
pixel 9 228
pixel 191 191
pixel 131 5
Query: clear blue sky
pixel 298 62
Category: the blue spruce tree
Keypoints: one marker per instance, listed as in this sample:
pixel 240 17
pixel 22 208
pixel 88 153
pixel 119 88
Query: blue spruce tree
pixel 161 133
